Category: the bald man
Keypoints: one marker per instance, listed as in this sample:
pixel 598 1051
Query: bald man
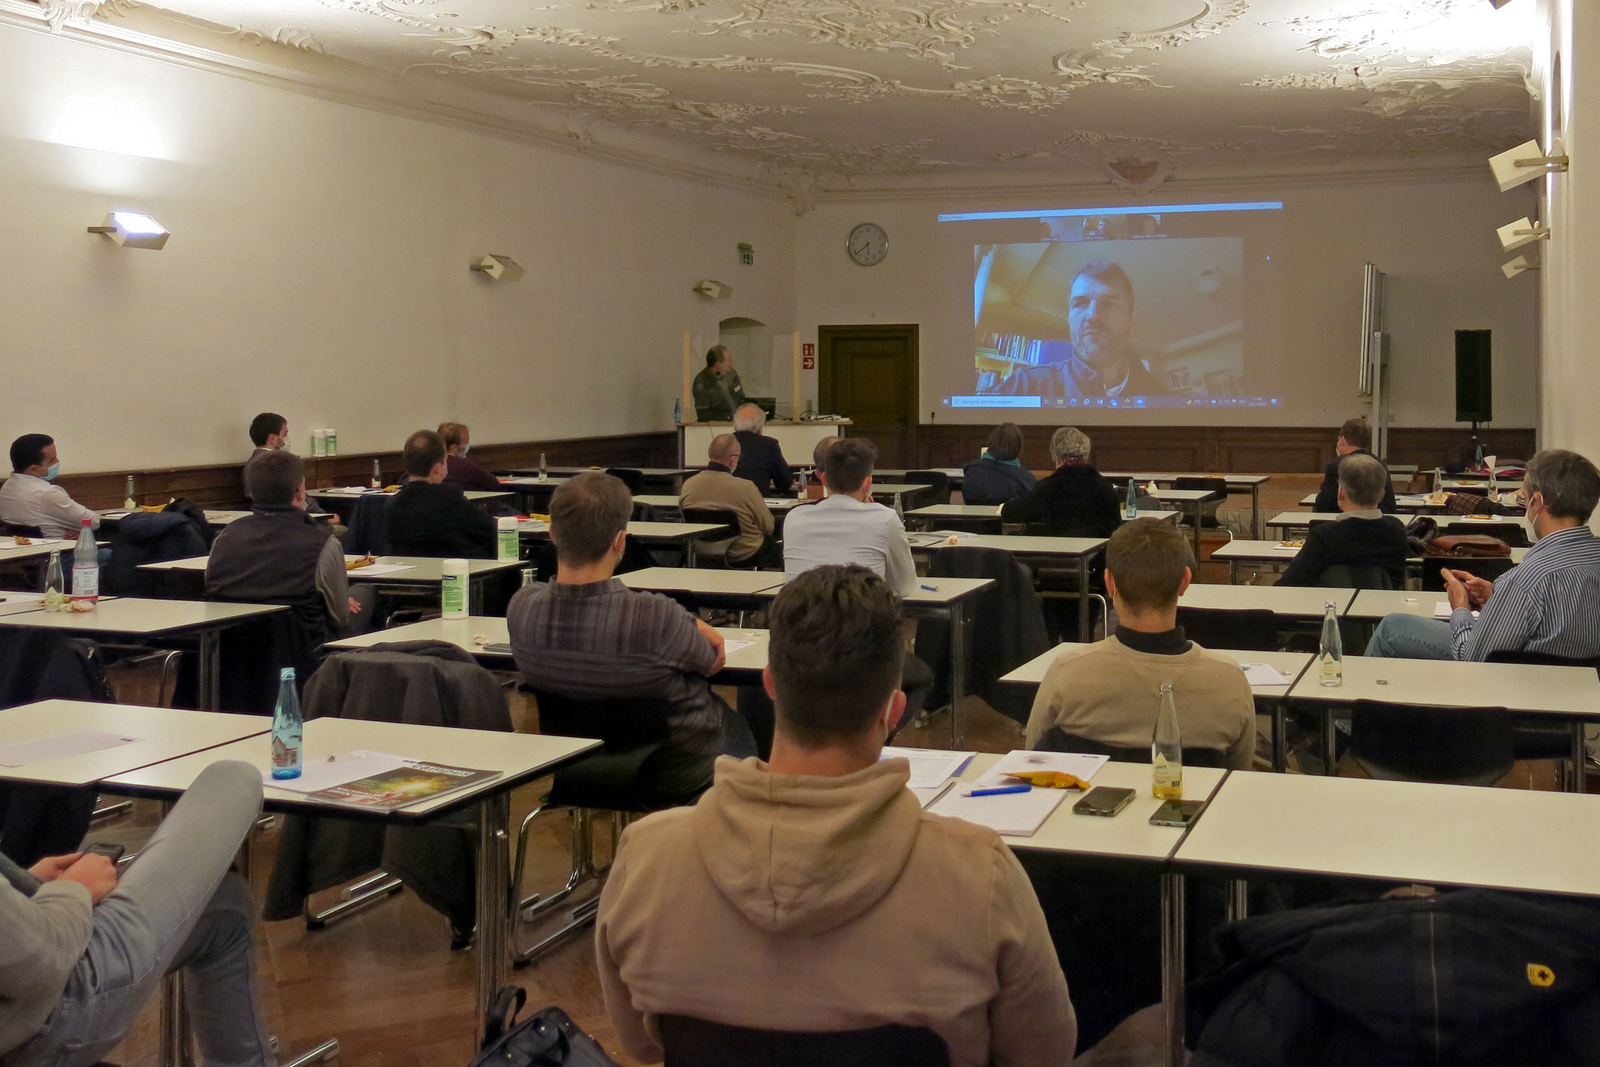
pixel 716 487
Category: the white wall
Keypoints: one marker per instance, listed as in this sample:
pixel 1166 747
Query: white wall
pixel 318 267
pixel 1435 240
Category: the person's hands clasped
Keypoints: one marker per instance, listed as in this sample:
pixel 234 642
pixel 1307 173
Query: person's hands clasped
pixel 1466 590
pixel 354 605
pixel 94 872
pixel 710 633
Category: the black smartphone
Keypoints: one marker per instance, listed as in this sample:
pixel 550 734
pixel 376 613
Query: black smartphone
pixel 107 849
pixel 1103 800
pixel 1177 812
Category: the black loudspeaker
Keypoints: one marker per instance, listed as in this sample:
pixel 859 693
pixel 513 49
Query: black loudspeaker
pixel 1474 382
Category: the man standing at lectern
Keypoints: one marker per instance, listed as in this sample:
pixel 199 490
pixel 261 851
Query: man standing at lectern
pixel 1103 363
pixel 717 389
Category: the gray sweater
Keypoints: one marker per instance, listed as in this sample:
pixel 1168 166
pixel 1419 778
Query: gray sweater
pixel 42 937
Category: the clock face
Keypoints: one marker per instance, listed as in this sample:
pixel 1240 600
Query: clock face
pixel 868 244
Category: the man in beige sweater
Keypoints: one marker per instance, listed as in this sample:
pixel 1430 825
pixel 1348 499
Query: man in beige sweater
pixel 1110 691
pixel 812 892
pixel 716 487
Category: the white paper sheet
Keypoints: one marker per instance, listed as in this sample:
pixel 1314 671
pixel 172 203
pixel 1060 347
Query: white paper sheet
pixel 930 767
pixel 1443 610
pixel 22 753
pixel 730 647
pixel 1263 674
pixel 1017 814
pixel 382 568
pixel 326 773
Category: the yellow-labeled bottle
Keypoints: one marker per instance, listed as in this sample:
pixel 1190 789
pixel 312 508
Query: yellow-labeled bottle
pixel 1166 749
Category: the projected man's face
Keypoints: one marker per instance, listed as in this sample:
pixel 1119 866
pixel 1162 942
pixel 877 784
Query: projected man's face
pixel 1100 317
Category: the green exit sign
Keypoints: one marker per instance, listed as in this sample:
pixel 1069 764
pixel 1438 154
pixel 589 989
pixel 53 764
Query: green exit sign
pixel 747 256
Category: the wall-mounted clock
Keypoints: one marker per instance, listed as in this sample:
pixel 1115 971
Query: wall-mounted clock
pixel 868 244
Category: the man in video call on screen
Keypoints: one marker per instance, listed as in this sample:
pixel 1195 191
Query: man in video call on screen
pixel 1102 361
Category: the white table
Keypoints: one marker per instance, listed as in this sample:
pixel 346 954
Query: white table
pixel 740 589
pixel 1376 603
pixel 1240 551
pixel 1568 694
pixel 1408 502
pixel 163 733
pixel 797 438
pixel 896 489
pixel 949 599
pixel 671 501
pixel 139 618
pixel 1078 550
pixel 356 492
pixel 1295 602
pixel 424 570
pixel 10 551
pixel 217 518
pixel 926 517
pixel 957 475
pixel 1237 483
pixel 519 757
pixel 656 533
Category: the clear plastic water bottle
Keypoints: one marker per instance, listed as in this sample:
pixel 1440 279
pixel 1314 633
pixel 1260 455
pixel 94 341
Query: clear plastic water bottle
pixel 377 476
pixel 85 566
pixel 1330 656
pixel 544 469
pixel 899 510
pixel 1132 505
pixel 130 504
pixel 287 728
pixel 55 584
pixel 1166 749
pixel 802 494
pixel 1477 459
pixel 1438 480
pixel 677 412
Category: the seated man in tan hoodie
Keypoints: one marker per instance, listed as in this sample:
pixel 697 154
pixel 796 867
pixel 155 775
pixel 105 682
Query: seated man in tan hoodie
pixel 1110 691
pixel 812 892
pixel 716 487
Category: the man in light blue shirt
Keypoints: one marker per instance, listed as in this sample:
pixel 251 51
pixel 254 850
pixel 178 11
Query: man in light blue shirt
pixel 846 526
pixel 1549 603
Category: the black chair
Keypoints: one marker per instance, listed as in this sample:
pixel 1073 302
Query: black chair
pixel 1355 576
pixel 1539 738
pixel 1416 743
pixel 629 477
pixel 1206 507
pixel 1489 567
pixel 621 779
pixel 16 529
pixel 1245 629
pixel 938 491
pixel 1512 533
pixel 713 547
pixel 1056 739
pixel 691 1042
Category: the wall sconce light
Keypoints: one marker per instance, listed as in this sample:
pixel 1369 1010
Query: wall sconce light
pixel 1523 164
pixel 1522 232
pixel 133 230
pixel 1517 266
pixel 499 268
pixel 714 290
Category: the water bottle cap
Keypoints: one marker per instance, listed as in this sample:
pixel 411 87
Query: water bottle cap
pixel 286 674
pixel 84 522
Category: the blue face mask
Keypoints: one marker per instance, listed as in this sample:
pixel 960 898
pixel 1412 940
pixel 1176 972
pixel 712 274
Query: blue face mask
pixel 50 475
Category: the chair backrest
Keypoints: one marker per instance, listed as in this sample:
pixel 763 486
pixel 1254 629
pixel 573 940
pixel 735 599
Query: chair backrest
pixel 631 478
pixel 691 1042
pixel 1245 629
pixel 1056 739
pixel 1490 567
pixel 938 483
pixel 1427 744
pixel 621 722
pixel 1355 576
pixel 1512 533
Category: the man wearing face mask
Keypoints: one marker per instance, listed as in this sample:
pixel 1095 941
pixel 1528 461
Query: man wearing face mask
pixel 1102 363
pixel 468 475
pixel 29 499
pixel 269 432
pixel 1546 603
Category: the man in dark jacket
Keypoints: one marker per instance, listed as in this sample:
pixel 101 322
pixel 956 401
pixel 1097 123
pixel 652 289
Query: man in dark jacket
pixel 1075 501
pixel 1355 439
pixel 1365 537
pixel 760 457
pixel 717 389
pixel 466 474
pixel 427 518
pixel 999 475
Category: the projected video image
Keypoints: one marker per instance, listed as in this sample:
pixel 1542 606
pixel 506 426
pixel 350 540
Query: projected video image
pixel 1110 323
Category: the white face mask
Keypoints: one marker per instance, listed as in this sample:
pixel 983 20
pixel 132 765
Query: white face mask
pixel 465 449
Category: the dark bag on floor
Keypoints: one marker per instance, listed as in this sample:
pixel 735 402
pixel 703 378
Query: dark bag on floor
pixel 547 1038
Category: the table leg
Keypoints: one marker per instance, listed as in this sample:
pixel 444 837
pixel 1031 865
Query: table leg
pixel 958 672
pixel 1330 746
pixel 1255 511
pixel 689 556
pixel 1576 781
pixel 1238 902
pixel 1233 572
pixel 475 588
pixel 1083 600
pixel 210 670
pixel 494 947
pixel 1172 968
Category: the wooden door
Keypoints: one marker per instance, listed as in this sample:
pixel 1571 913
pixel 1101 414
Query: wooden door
pixel 869 375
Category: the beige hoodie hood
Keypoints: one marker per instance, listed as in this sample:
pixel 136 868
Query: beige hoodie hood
pixel 802 854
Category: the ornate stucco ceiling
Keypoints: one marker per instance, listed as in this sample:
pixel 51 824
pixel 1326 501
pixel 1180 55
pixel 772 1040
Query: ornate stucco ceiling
pixel 815 94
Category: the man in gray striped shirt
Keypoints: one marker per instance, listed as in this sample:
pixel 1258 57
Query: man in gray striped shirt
pixel 586 635
pixel 1549 603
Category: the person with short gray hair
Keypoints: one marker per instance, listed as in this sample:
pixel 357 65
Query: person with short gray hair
pixel 1366 548
pixel 1075 501
pixel 1545 604
pixel 760 457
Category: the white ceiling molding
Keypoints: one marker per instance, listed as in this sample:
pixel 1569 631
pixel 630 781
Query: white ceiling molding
pixel 812 99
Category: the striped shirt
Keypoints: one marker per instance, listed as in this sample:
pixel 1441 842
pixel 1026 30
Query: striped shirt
pixel 603 640
pixel 1550 603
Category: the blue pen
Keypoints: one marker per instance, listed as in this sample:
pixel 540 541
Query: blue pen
pixel 929 588
pixel 999 790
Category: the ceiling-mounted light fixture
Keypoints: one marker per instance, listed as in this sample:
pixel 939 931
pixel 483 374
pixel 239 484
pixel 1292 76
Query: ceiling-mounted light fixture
pixel 1517 266
pixel 130 229
pixel 715 290
pixel 1522 232
pixel 1498 4
pixel 499 268
pixel 1524 163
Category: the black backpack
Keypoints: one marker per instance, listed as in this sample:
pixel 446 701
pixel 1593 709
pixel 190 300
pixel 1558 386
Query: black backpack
pixel 547 1038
